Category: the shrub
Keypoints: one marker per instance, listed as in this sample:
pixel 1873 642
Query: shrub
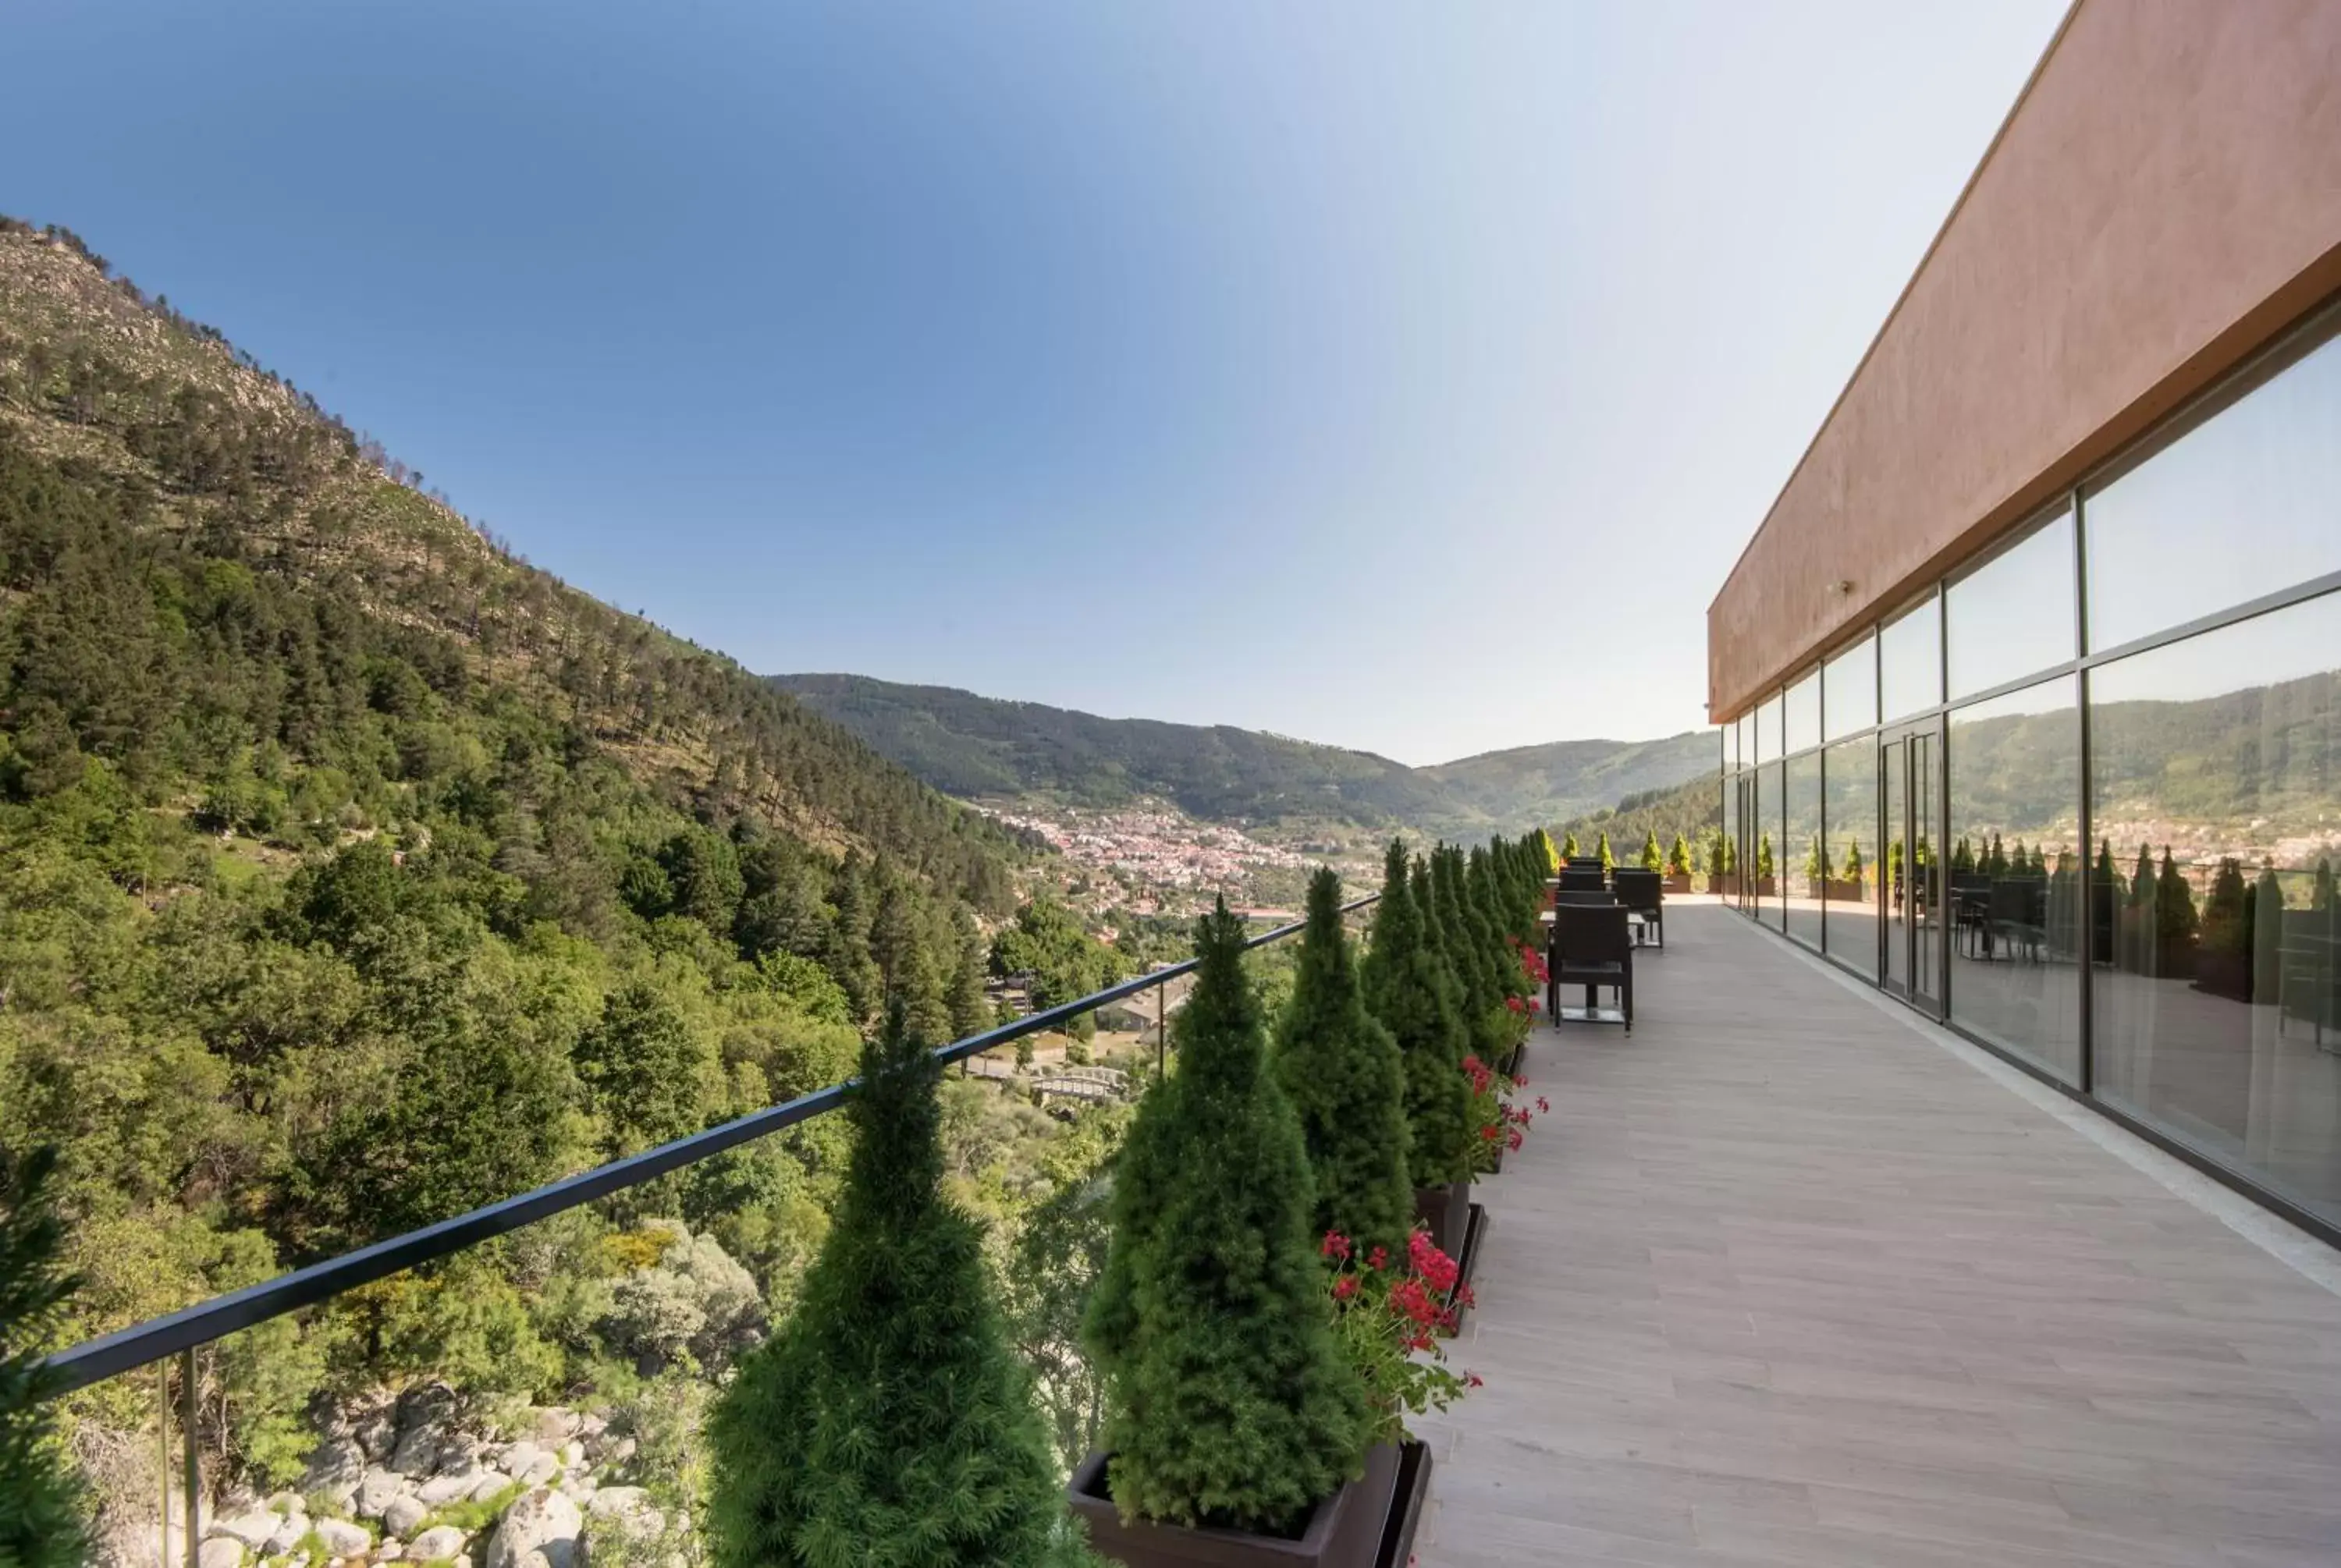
pixel 1652 859
pixel 1679 857
pixel 1230 1403
pixel 41 1521
pixel 887 1423
pixel 1343 1072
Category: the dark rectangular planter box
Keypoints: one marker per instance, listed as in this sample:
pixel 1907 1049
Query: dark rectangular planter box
pixel 1346 1531
pixel 1446 1213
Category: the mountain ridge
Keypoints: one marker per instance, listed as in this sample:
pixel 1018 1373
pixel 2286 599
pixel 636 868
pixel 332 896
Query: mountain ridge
pixel 976 746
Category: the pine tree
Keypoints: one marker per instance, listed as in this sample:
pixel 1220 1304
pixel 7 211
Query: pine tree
pixel 1568 846
pixel 1679 857
pixel 2175 921
pixel 1409 991
pixel 2139 919
pixel 1853 861
pixel 845 951
pixel 970 1007
pixel 1652 857
pixel 1718 860
pixel 1548 859
pixel 1609 861
pixel 1230 1403
pixel 1343 1075
pixel 888 1423
pixel 42 1524
pixel 1764 859
pixel 2265 941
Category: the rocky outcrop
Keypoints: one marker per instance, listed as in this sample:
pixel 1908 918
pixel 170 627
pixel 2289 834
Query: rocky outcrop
pixel 540 1531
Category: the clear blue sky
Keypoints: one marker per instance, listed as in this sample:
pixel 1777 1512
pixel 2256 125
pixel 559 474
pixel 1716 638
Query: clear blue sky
pixel 1400 376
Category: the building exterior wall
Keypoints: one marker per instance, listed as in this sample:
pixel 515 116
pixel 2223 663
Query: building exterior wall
pixel 2166 196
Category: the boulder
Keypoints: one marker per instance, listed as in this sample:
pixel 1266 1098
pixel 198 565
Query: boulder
pixel 403 1514
pixel 335 1468
pixel 252 1529
pixel 439 1543
pixel 551 1425
pixel 573 1454
pixel 388 1552
pixel 444 1489
pixel 220 1552
pixel 288 1535
pixel 490 1482
pixel 529 1464
pixel 375 1491
pixel 285 1503
pixel 539 1531
pixel 342 1538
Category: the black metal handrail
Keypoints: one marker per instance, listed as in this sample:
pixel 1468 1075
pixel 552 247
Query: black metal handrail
pixel 142 1344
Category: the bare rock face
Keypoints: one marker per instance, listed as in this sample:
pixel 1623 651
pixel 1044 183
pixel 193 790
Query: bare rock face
pixel 540 1531
pixel 220 1552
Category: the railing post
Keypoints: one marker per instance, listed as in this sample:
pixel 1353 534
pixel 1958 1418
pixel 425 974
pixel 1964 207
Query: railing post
pixel 1161 1031
pixel 194 1453
pixel 163 1465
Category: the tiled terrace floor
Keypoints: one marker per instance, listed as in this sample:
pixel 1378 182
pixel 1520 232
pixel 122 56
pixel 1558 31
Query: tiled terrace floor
pixel 1782 1280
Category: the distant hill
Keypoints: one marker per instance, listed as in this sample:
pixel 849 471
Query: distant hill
pixel 981 747
pixel 1565 778
pixel 1691 808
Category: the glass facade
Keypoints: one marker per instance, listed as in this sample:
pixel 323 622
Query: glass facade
pixel 1910 660
pixel 1802 848
pixel 1850 870
pixel 1849 690
pixel 2013 615
pixel 2013 890
pixel 2107 852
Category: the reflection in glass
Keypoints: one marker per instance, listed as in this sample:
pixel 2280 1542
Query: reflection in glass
pixel 2015 614
pixel 2243 505
pixel 2215 787
pixel 1769 882
pixel 1849 879
pixel 2014 873
pixel 1723 855
pixel 1802 850
pixel 1910 662
pixel 1767 732
pixel 1849 690
pixel 1801 721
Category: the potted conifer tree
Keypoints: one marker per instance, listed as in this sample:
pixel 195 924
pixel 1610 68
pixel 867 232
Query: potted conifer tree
pixel 1342 1073
pixel 1236 1432
pixel 1678 865
pixel 888 1421
pixel 1410 989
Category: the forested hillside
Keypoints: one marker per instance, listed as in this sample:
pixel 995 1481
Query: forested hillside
pixel 354 872
pixel 1693 810
pixel 978 747
pixel 1565 778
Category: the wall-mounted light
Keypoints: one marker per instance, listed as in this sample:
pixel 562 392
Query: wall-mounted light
pixel 1841 586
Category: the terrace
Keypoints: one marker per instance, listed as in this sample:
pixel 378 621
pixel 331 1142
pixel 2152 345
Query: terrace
pixel 1791 1275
